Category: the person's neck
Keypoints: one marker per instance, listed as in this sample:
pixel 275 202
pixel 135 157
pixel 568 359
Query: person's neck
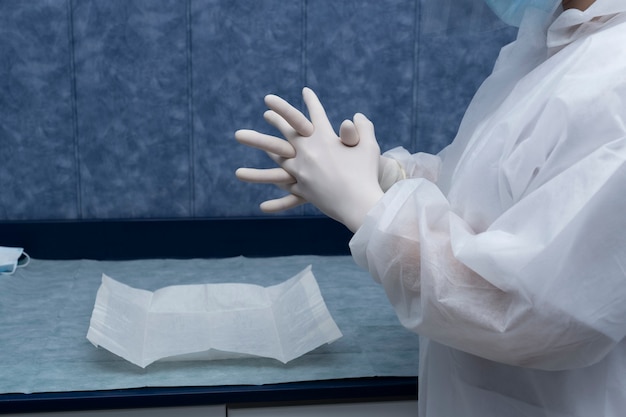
pixel 577 4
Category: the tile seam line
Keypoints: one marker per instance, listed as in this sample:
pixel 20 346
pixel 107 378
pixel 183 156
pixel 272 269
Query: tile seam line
pixel 303 63
pixel 304 56
pixel 190 118
pixel 74 106
pixel 416 74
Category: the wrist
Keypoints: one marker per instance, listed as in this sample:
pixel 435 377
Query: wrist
pixel 359 213
pixel 390 171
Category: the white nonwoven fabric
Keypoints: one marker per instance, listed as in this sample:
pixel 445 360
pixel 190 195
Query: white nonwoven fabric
pixel 511 264
pixel 212 321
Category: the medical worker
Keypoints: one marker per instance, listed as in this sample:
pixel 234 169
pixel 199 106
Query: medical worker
pixel 506 252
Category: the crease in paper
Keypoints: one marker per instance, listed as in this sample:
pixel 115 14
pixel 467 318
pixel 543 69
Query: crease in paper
pixel 212 321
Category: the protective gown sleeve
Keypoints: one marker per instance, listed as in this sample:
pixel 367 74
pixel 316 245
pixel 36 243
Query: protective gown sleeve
pixel 543 286
pixel 419 165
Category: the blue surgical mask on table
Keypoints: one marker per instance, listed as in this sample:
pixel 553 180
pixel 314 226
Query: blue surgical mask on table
pixel 512 11
pixel 10 259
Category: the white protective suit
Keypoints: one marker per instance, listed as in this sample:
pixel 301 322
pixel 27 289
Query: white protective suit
pixel 507 251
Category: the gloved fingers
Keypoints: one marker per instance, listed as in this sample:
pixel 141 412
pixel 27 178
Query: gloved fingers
pixel 316 110
pixel 265 142
pixel 280 161
pixel 365 130
pixel 265 176
pixel 348 133
pixel 290 114
pixel 289 165
pixel 280 204
pixel 292 166
pixel 281 124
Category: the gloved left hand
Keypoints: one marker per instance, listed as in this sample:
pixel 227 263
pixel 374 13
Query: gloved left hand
pixel 341 181
pixel 288 119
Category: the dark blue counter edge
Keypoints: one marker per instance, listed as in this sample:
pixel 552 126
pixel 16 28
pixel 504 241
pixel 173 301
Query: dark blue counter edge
pixel 331 391
pixel 177 238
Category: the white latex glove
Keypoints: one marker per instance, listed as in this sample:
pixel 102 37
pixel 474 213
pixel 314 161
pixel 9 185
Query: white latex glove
pixel 291 122
pixel 277 149
pixel 341 181
pixel 389 170
pixel 287 119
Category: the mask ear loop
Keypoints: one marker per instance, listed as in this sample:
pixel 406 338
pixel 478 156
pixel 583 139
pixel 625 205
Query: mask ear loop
pixel 23 260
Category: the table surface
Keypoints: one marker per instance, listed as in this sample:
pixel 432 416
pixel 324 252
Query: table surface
pixel 45 310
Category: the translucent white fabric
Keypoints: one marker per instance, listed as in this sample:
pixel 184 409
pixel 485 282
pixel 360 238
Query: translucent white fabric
pixel 510 261
pixel 212 321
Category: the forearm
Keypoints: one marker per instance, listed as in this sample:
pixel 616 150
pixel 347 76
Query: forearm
pixel 405 243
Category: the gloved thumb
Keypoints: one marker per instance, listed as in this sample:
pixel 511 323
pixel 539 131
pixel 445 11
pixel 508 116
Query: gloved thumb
pixel 348 134
pixel 365 130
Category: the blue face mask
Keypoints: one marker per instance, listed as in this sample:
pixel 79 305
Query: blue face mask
pixel 10 259
pixel 512 11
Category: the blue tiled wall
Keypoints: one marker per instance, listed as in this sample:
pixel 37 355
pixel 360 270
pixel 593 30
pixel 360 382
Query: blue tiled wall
pixel 117 109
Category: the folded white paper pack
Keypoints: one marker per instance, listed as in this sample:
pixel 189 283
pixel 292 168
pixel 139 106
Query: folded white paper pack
pixel 212 321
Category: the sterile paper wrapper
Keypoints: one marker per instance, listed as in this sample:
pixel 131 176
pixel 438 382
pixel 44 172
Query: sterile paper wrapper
pixel 212 321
